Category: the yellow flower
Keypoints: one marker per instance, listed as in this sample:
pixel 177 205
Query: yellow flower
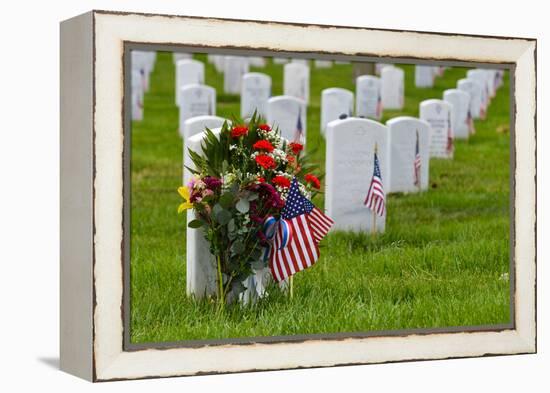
pixel 184 193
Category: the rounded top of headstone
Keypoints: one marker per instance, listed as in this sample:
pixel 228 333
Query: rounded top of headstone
pixel 259 75
pixel 400 119
pixel 455 92
pixel 337 90
pixel 355 122
pixel 468 81
pixel 181 62
pixel 362 78
pixel 435 101
pixel 286 98
pixel 392 69
pixel 194 86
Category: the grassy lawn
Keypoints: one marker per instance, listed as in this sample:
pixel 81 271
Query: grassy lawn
pixel 439 263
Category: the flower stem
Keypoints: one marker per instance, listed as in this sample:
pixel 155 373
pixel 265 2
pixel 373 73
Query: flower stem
pixel 220 284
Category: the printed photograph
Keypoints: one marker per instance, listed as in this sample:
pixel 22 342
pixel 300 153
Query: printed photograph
pixel 280 197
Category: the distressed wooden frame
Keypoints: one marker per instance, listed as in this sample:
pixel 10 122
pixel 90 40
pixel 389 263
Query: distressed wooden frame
pixel 93 116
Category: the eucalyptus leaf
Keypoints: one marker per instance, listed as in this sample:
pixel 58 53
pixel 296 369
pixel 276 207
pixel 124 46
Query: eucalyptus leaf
pixel 237 247
pixel 252 196
pixel 243 205
pixel 231 226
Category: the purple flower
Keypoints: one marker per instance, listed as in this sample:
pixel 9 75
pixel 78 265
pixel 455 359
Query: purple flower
pixel 212 183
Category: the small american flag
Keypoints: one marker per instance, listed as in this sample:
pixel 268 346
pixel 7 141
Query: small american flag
pixel 308 225
pixel 450 142
pixel 299 132
pixel 375 199
pixel 417 162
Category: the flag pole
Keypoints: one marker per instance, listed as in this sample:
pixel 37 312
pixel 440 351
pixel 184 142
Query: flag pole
pixel 290 286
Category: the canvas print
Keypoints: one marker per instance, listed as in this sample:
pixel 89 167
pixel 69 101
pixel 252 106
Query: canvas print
pixel 277 198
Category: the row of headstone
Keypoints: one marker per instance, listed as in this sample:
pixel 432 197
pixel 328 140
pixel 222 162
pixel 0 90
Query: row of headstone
pixel 142 64
pixel 403 152
pixel 372 95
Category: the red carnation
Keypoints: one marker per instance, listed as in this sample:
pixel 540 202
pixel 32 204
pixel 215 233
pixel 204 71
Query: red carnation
pixel 296 147
pixel 260 179
pixel 313 180
pixel 264 127
pixel 265 161
pixel 263 145
pixel 281 181
pixel 239 131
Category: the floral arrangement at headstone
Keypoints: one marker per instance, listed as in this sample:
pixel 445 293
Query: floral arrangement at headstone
pixel 251 193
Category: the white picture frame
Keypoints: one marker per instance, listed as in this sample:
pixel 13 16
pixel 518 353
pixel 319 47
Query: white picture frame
pixel 92 193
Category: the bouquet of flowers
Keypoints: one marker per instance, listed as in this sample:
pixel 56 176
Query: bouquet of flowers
pixel 240 182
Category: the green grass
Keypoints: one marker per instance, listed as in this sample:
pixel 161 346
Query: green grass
pixel 438 264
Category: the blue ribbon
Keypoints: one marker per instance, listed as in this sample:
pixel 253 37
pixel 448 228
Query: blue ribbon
pixel 271 227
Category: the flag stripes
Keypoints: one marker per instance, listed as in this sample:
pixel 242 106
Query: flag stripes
pixel 376 199
pixel 320 224
pixel 308 226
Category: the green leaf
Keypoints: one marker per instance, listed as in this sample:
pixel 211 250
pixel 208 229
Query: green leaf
pixel 226 200
pixel 231 226
pixel 223 217
pixel 243 205
pixel 196 223
pixel 237 247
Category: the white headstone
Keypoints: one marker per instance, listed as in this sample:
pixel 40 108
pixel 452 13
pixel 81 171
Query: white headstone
pixel 196 125
pixel 368 103
pixel 378 67
pixel 289 115
pixel 493 81
pixel 300 61
pixel 475 90
pixel 177 56
pixel 200 263
pixel 349 169
pixel 342 62
pixel 423 76
pixel 218 61
pixel 137 95
pixel 393 87
pixel 483 78
pixel 201 275
pixel 196 100
pixel 322 63
pixel 141 62
pixel 296 81
pixel 460 101
pixel 256 61
pixel 188 72
pixel 404 134
pixel 280 60
pixel 335 104
pixel 439 115
pixel 234 67
pixel 256 90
